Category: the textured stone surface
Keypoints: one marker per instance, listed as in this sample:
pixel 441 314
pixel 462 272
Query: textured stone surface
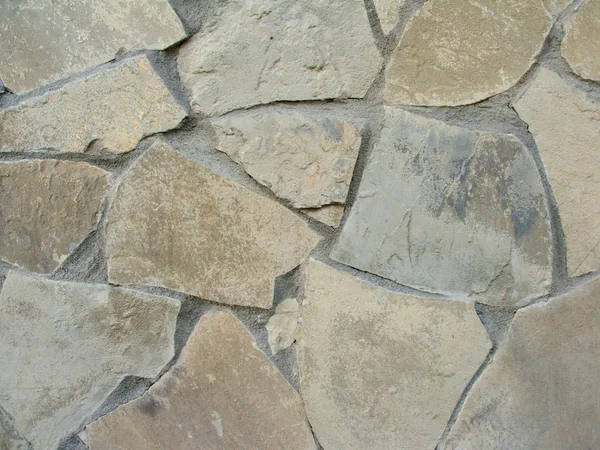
pixel 556 6
pixel 379 369
pixel 448 210
pixel 64 347
pixel 541 389
pixel 330 215
pixel 266 50
pixel 461 52
pixel 48 207
pixel 283 325
pixel 46 41
pixel 108 112
pixel 388 12
pixel 581 44
pixel 176 224
pixel 223 393
pixel 565 123
pixel 10 439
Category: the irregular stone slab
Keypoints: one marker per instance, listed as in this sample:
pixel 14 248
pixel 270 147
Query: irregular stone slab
pixel 46 41
pixel 283 325
pixel 581 44
pixel 330 215
pixel 380 369
pixel 267 50
pixel 565 123
pixel 67 346
pixel 388 12
pixel 540 390
pixel 452 211
pixel 108 112
pixel 461 52
pixel 48 207
pixel 176 224
pixel 222 393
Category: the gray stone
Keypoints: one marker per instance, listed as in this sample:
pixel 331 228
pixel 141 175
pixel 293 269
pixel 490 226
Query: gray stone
pixel 10 438
pixel 108 112
pixel 382 370
pixel 388 12
pixel 46 41
pixel 452 211
pixel 283 325
pixel 581 44
pixel 330 215
pixel 66 346
pixel 267 50
pixel 555 7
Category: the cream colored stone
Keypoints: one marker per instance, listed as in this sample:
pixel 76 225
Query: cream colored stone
pixel 581 44
pixel 460 52
pixel 379 369
pixel 176 224
pixel 64 347
pixel 283 325
pixel 388 12
pixel 108 112
pixel 223 393
pixel 330 215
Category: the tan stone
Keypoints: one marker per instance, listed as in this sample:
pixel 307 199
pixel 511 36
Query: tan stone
pixel 460 52
pixel 555 7
pixel 48 207
pixel 283 325
pixel 565 123
pixel 330 215
pixel 388 12
pixel 108 112
pixel 176 224
pixel 223 393
pixel 64 347
pixel 379 369
pixel 581 44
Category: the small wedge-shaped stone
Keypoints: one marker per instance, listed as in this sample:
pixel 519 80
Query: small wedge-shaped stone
pixel 223 393
pixel 283 325
pixel 382 370
pixel 175 223
pixel 262 51
pixel 48 207
pixel 541 388
pixel 46 41
pixel 461 51
pixel 64 347
pixel 108 112
pixel 449 210
pixel 565 123
pixel 388 12
pixel 581 44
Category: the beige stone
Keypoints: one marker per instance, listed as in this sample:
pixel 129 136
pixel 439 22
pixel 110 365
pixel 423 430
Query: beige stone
pixel 581 44
pixel 388 12
pixel 379 369
pixel 176 224
pixel 64 347
pixel 283 325
pixel 330 215
pixel 48 207
pixel 223 393
pixel 107 112
pixel 565 123
pixel 541 389
pixel 555 7
pixel 460 52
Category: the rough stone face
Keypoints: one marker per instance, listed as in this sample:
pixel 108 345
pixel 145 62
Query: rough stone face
pixel 581 44
pixel 108 112
pixel 453 211
pixel 176 224
pixel 379 369
pixel 540 391
pixel 46 41
pixel 565 123
pixel 222 393
pixel 388 13
pixel 10 439
pixel 330 215
pixel 461 52
pixel 66 346
pixel 267 50
pixel 283 325
pixel 48 207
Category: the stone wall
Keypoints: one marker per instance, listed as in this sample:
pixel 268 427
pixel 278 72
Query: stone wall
pixel 265 224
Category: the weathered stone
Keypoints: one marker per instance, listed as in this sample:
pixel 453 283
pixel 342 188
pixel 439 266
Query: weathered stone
pixel 267 50
pixel 461 52
pixel 176 224
pixel 66 346
pixel 388 13
pixel 380 369
pixel 48 207
pixel 222 393
pixel 541 389
pixel 283 325
pixel 581 44
pixel 109 111
pixel 46 41
pixel 565 123
pixel 555 7
pixel 330 215
pixel 10 439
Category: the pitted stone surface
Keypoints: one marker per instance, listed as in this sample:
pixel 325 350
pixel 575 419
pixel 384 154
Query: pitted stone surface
pixel 388 12
pixel 107 112
pixel 581 44
pixel 48 207
pixel 379 369
pixel 267 50
pixel 283 325
pixel 175 223
pixel 46 41
pixel 223 393
pixel 452 211
pixel 565 123
pixel 461 52
pixel 64 347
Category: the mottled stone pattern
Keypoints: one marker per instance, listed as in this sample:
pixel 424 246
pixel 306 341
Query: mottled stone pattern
pixel 388 12
pixel 581 44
